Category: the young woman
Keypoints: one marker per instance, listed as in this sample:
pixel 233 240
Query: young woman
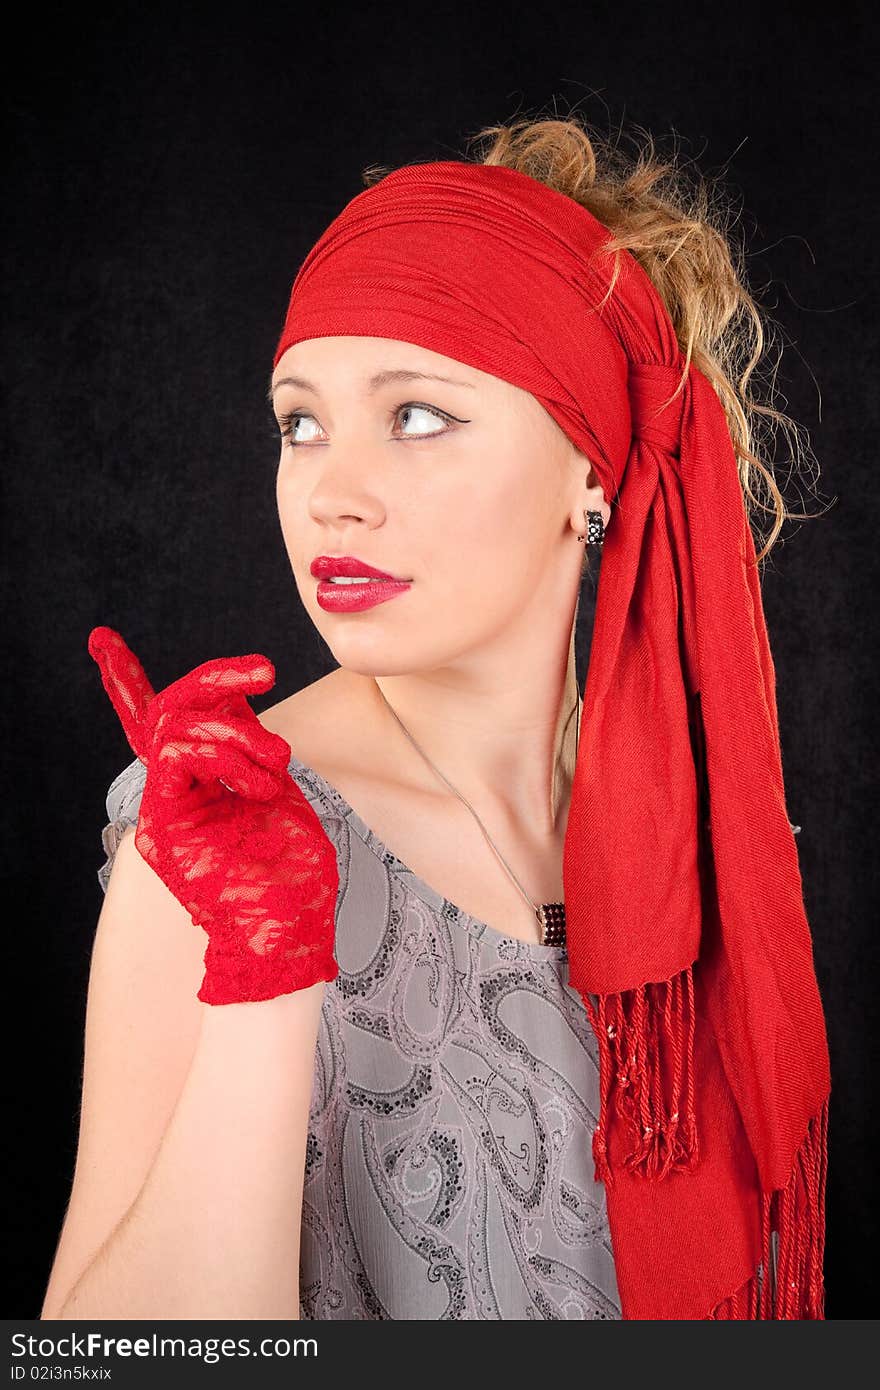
pixel 507 1008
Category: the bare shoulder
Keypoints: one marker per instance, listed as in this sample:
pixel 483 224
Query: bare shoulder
pixel 303 704
pixel 319 722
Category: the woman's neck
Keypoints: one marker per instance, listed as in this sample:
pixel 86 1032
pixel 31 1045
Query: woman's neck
pixel 510 750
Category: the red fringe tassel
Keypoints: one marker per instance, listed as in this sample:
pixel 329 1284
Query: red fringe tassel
pixel 646 1071
pixel 789 1281
pixel 640 1031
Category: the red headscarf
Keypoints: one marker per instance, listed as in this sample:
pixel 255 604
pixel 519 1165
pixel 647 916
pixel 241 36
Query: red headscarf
pixel 687 941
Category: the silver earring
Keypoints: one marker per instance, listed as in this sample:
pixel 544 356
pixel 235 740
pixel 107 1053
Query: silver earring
pixel 595 529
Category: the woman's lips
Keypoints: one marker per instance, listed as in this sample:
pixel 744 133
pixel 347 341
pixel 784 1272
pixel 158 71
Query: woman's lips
pixel 353 598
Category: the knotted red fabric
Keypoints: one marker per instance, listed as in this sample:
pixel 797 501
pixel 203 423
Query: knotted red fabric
pixel 687 936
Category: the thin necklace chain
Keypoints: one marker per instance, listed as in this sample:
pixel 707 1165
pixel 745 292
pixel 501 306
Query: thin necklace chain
pixel 534 906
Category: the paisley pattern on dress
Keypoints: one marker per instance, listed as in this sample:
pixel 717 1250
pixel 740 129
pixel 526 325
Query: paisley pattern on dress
pixel 449 1171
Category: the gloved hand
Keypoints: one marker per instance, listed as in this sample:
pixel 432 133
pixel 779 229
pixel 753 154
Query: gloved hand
pixel 225 826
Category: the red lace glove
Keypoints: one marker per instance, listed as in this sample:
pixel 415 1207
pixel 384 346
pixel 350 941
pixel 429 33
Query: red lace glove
pixel 225 826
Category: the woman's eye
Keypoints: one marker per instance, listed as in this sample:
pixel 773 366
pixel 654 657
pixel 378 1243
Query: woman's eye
pixel 411 410
pixel 289 425
pixel 293 439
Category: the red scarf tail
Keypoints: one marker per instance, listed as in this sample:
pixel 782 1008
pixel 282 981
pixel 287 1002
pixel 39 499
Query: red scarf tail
pixel 795 1215
pixel 640 1032
pixel 646 1037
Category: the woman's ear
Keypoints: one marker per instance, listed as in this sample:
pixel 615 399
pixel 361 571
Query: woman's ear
pixel 590 495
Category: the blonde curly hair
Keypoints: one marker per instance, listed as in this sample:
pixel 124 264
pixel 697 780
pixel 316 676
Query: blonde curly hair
pixel 680 231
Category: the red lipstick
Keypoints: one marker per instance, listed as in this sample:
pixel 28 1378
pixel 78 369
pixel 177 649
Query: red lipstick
pixel 352 597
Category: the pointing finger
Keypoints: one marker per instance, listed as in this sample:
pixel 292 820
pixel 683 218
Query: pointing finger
pixel 125 681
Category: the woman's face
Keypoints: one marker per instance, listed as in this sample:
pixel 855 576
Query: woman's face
pixel 465 487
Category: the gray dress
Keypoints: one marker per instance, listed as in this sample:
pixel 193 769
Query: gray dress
pixel 448 1166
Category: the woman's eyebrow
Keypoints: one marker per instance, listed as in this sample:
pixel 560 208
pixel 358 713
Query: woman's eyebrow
pixel 378 379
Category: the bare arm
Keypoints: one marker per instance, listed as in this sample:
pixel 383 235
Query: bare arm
pixel 215 1230
pixel 187 1195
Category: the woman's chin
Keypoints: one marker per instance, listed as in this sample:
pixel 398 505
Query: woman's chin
pixel 377 659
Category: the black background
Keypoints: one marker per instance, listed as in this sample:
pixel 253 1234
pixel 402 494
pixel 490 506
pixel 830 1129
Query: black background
pixel 166 175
